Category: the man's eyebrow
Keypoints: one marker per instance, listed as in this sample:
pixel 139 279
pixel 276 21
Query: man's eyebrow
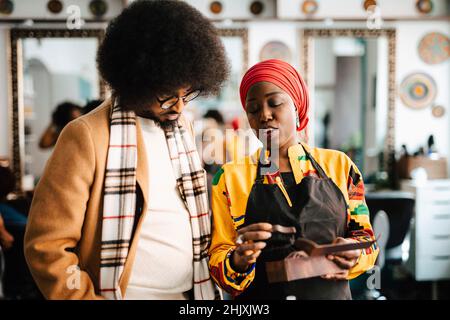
pixel 164 96
pixel 175 94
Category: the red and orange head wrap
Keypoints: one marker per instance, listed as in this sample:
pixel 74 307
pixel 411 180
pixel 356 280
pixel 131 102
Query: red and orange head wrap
pixel 284 76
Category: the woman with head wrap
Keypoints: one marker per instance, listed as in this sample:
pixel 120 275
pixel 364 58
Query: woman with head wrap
pixel 286 190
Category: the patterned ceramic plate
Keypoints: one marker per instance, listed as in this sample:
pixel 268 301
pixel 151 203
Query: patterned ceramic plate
pixel 98 7
pixel 275 50
pixel 216 7
pixel 434 48
pixel 368 3
pixel 309 7
pixel 6 6
pixel 418 90
pixel 438 111
pixel 424 6
pixel 54 6
pixel 257 7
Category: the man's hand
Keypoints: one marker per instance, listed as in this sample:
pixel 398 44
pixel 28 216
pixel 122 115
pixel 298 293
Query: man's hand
pixel 345 260
pixel 249 244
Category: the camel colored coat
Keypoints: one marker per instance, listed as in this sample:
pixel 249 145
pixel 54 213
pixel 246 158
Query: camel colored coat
pixel 62 240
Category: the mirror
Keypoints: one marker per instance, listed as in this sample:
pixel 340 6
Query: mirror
pixel 227 103
pixel 50 70
pixel 235 42
pixel 350 75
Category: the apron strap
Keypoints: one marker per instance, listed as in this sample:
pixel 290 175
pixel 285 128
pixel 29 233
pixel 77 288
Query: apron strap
pixel 316 166
pixel 260 178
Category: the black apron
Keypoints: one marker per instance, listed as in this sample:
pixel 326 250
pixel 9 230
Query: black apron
pixel 318 213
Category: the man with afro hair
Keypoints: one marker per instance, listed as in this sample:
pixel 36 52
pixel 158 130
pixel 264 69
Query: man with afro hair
pixel 121 211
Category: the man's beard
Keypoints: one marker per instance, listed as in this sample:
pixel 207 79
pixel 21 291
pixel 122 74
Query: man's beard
pixel 168 124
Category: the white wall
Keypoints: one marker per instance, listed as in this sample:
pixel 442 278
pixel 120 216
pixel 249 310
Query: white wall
pixel 414 126
pixel 235 9
pixel 37 9
pixel 292 9
pixel 355 9
pixel 261 32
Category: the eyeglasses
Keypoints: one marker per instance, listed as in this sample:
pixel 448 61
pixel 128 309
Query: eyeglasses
pixel 170 102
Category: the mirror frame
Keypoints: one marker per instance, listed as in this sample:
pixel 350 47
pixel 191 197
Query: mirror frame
pixel 307 45
pixel 238 32
pixel 16 112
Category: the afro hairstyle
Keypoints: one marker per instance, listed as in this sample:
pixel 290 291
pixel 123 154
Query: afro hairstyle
pixel 91 105
pixel 157 47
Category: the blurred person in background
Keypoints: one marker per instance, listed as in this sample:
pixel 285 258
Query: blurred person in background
pixel 61 116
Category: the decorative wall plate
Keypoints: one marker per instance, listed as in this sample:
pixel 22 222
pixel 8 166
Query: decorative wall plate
pixel 434 48
pixel 309 7
pixel 257 7
pixel 54 6
pixel 368 3
pixel 424 6
pixel 418 90
pixel 216 7
pixel 438 111
pixel 6 6
pixel 98 7
pixel 275 50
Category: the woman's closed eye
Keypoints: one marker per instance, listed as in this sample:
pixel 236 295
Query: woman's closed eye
pixel 275 103
pixel 252 108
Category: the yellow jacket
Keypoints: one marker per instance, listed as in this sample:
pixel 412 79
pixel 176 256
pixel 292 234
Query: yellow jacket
pixel 231 187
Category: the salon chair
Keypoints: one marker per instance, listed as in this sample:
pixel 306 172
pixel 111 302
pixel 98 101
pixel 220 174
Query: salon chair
pixel 399 208
pixel 390 216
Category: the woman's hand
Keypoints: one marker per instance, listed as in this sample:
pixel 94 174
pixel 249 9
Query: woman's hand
pixel 249 245
pixel 345 260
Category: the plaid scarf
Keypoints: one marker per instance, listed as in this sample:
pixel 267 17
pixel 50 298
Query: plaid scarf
pixel 119 202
